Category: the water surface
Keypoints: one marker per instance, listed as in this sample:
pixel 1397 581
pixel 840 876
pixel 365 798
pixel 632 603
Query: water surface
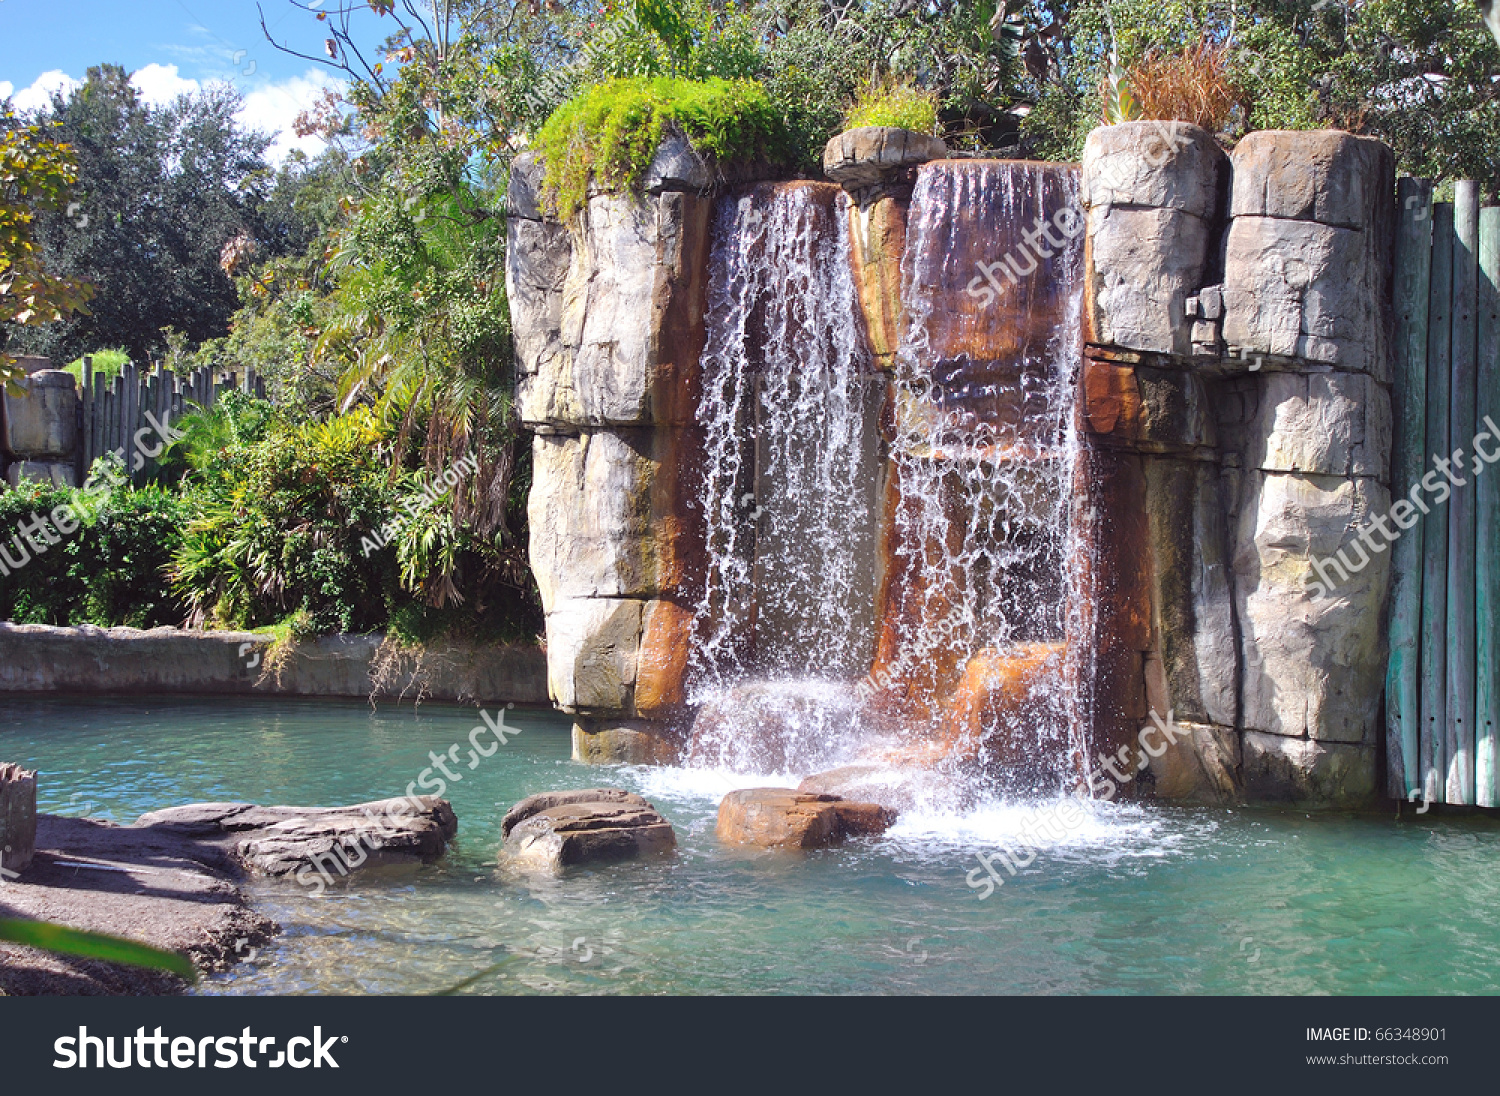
pixel 1134 900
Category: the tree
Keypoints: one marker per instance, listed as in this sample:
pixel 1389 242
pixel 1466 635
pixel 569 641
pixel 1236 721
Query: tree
pixel 37 172
pixel 161 192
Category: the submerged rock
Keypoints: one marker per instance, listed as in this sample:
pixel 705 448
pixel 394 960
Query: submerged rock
pixel 781 817
pixel 556 830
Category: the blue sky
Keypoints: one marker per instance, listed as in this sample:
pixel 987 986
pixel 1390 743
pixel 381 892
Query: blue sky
pixel 173 46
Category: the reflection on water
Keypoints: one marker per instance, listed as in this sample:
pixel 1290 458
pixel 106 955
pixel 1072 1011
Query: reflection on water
pixel 1133 900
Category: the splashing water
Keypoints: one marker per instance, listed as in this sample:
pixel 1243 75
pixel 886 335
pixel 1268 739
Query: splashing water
pixel 975 632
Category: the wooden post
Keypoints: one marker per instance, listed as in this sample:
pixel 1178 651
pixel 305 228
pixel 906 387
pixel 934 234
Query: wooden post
pixel 17 821
pixel 86 419
pixel 1487 523
pixel 1413 273
pixel 1435 523
pixel 1461 419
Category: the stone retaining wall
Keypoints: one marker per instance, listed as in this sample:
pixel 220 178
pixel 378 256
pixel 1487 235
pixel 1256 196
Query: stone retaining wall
pixel 36 658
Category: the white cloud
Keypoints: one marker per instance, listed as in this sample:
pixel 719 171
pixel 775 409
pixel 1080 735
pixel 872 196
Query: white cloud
pixel 273 107
pixel 160 85
pixel 269 107
pixel 39 94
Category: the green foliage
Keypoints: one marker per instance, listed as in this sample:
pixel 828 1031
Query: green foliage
pixel 61 940
pixel 107 363
pixel 610 132
pixel 111 570
pixel 894 103
pixel 37 173
pixel 277 521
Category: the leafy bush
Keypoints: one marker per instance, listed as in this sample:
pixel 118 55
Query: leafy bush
pixel 111 569
pixel 107 363
pixel 610 132
pixel 890 102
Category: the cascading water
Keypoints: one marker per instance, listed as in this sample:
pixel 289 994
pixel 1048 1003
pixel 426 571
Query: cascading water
pixel 980 653
pixel 793 468
pixel 977 626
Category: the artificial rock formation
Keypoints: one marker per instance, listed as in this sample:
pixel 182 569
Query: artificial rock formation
pixel 17 819
pixel 1237 394
pixel 783 818
pixel 556 830
pixel 608 315
pixel 40 429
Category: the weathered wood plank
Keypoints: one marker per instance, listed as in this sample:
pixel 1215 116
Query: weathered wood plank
pixel 1434 668
pixel 1487 522
pixel 1412 284
pixel 1461 420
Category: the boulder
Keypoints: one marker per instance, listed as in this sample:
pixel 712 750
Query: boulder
pixel 301 841
pixel 781 817
pixel 1156 165
pixel 1332 424
pixel 1154 193
pixel 897 788
pixel 677 166
pixel 1314 292
pixel 1300 770
pixel 1314 661
pixel 872 155
pixel 556 830
pixel 1199 763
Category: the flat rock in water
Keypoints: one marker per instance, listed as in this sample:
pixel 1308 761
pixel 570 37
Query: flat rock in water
pixel 782 817
pixel 593 825
pixel 288 840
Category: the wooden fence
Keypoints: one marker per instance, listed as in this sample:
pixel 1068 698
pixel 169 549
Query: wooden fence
pixel 114 413
pixel 1443 681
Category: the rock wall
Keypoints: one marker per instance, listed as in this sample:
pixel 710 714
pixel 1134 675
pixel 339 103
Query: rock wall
pixel 1236 411
pixel 1237 390
pixel 608 312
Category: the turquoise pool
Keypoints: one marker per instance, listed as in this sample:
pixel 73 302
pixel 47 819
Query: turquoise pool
pixel 1135 900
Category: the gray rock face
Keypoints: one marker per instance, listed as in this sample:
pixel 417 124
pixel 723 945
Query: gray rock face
pixel 869 156
pixel 677 167
pixel 556 830
pixel 1314 665
pixel 1303 290
pixel 1307 260
pixel 1153 192
pixel 42 424
pixel 314 843
pixel 1334 424
pixel 1278 681
pixel 608 319
pixel 1301 770
pixel 1327 176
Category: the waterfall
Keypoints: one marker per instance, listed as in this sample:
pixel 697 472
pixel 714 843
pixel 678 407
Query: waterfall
pixel 980 656
pixel 967 656
pixel 790 404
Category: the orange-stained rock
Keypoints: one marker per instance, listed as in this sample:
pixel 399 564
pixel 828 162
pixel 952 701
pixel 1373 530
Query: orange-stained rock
pixel 783 818
pixel 666 644
pixel 877 238
pixel 1001 701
